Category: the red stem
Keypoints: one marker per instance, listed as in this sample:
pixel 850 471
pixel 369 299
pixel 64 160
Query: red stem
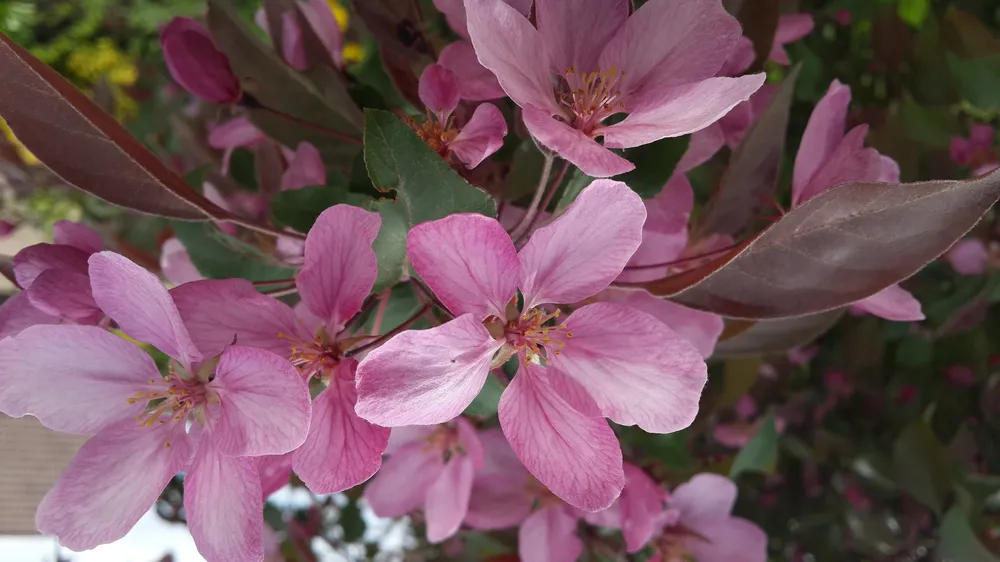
pixel 681 261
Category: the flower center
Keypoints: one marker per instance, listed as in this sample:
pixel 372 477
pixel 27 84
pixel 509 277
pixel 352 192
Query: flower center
pixel 445 440
pixel 592 97
pixel 317 357
pixel 437 135
pixel 529 335
pixel 174 396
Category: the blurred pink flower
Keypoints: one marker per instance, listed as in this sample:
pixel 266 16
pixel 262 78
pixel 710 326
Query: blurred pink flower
pixel 176 264
pixel 968 256
pixel 791 28
pixel 305 168
pixel 961 375
pixel 197 64
pixel 238 132
pixel 802 355
pixel 637 512
pixel 977 150
pixel 320 17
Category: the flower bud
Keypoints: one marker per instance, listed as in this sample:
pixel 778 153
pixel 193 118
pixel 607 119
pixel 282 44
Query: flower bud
pixel 197 64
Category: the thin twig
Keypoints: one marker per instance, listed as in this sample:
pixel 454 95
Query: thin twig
pixel 281 292
pixel 313 126
pixel 383 304
pixel 386 336
pixel 263 228
pixel 529 216
pixel 273 283
pixel 680 261
pixel 549 196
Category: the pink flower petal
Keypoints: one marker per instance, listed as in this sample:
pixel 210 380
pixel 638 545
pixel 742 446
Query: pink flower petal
pixel 481 136
pixel 141 305
pixel 30 262
pixel 679 110
pixel 79 236
pixel 65 294
pixel 423 377
pixel 220 312
pixel 468 260
pixel 292 48
pixel 94 371
pixel 740 59
pixel 321 18
pixel 704 144
pixel 196 63
pixel 638 370
pixel 223 501
pixel 641 503
pixel 448 498
pixel 401 485
pixel 235 133
pixel 575 31
pixel 791 28
pixel 403 435
pixel 892 303
pixel 176 264
pixel 665 232
pixel 580 253
pixel 263 407
pixel 342 450
pixel 305 169
pixel 111 483
pixel 730 539
pixel 968 257
pixel 701 329
pixel 340 266
pixel 850 161
pixel 454 12
pixel 703 499
pixel 440 91
pixel 584 152
pixel 549 535
pixel 476 82
pixel 500 494
pixel 507 44
pixel 274 471
pixel 17 313
pixel 575 456
pixel 823 134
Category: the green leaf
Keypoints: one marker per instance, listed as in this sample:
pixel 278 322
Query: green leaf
pixel 299 208
pixel 933 126
pixel 670 449
pixel 488 399
pixel 577 181
pixel 403 304
pixel 351 521
pixel 741 374
pixel 958 540
pixel 654 164
pixel 978 80
pixel 761 453
pixel 426 189
pixel 219 256
pixel 914 12
pixel 921 465
pixel 525 170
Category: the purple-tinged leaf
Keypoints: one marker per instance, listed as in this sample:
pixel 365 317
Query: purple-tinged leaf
pixel 778 336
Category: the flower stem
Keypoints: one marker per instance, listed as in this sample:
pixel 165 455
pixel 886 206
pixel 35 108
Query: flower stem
pixel 273 283
pixel 550 195
pixel 388 335
pixel 529 216
pixel 245 223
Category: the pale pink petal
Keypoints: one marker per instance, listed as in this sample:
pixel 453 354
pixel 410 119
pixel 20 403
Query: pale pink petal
pixel 223 502
pixel 111 483
pixel 679 110
pixel 423 377
pixel 500 494
pixel 668 43
pixel 703 499
pixel 263 404
pixel 292 48
pixel 735 435
pixel 610 517
pixel 638 370
pixel 440 91
pixel 401 485
pixel 65 294
pixel 850 161
pixel 665 232
pixel 892 303
pixel 791 28
pixel 476 82
pixel 985 169
pixel 176 264
pixel 468 439
pixel 731 539
pixel 468 260
pixel 982 135
pixel 405 434
pixel 17 313
pixel 585 153
pixel 507 44
pixel 574 393
pixel 220 312
pixel 342 450
pixel 274 471
pixel 304 169
pixel 30 262
pixel 79 236
pixel 740 59
pixel 701 329
pixel 481 136
pixel 704 144
pixel 968 257
pixel 454 12
pixel 641 502
pixel 235 133
pixel 321 18
pixel 580 253
pixel 448 498
pixel 575 31
pixel 94 371
pixel 890 170
pixel 340 266
pixel 141 305
pixel 576 457
pixel 549 535
pixel 823 134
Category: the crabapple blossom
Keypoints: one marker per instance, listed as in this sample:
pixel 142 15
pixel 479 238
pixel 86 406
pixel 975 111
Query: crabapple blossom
pixel 319 16
pixel 969 256
pixel 977 151
pixel 197 64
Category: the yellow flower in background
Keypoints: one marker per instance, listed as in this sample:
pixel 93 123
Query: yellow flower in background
pixel 23 153
pixel 340 13
pixel 353 52
pixel 103 60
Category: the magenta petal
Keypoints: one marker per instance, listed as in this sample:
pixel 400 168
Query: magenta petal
pixel 17 313
pixel 402 483
pixel 448 498
pixel 263 404
pixel 292 48
pixel 176 264
pixel 79 236
pixel 549 535
pixel 501 496
pixel 439 89
pixel 704 498
pixel 65 294
pixel 740 59
pixel 849 161
pixel 321 18
pixel 220 312
pixel 275 471
pixel 477 83
pixel 679 110
pixel 580 253
pixel 342 450
pixel 224 505
pixel 507 44
pixel 892 303
pixel 641 503
pixel 196 63
pixel 305 169
pixel 638 370
pixel 423 377
pixel 705 144
pixel 111 483
pixel 581 150
pixel 468 260
pixel 791 28
pixel 575 456
pixel 575 31
pixel 481 136
pixel 340 265
pixel 701 329
pixel 823 133
pixel 30 262
pixel 968 257
pixel 732 538
pixel 141 305
pixel 94 371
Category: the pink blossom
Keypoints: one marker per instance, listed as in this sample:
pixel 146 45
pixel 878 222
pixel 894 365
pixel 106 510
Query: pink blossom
pixel 473 142
pixel 791 28
pixel 319 16
pixel 242 404
pixel 6 228
pixel 658 66
pixel 429 467
pixel 236 133
pixel 968 256
pixel 341 450
pixel 739 433
pixel 802 355
pixel 197 64
pixel 176 264
pixel 305 168
pixel 976 151
pixel 827 158
pixel 637 512
pixel 605 360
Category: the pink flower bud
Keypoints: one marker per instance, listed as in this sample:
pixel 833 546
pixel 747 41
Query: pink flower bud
pixel 197 64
